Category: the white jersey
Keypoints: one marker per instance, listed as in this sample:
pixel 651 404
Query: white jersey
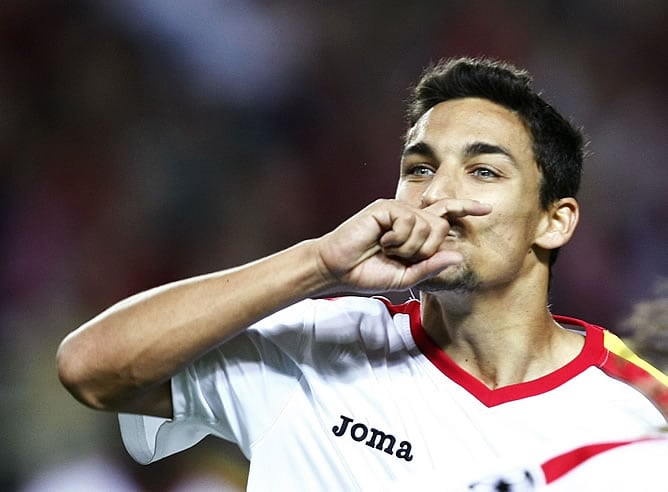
pixel 351 394
pixel 637 465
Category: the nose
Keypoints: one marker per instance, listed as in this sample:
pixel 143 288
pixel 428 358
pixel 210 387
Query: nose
pixel 439 187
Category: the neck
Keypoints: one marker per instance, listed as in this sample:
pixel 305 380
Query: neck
pixel 499 339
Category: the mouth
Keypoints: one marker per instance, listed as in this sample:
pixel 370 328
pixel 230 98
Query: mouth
pixel 456 232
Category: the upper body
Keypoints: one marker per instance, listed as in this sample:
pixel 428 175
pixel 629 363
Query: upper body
pixel 351 393
pixel 484 200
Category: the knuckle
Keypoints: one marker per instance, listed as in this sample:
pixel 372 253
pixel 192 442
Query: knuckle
pixel 423 229
pixel 442 227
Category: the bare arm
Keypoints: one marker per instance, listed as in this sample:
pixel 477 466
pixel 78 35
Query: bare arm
pixel 122 359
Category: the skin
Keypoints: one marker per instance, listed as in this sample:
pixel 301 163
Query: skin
pixel 465 228
pixel 493 303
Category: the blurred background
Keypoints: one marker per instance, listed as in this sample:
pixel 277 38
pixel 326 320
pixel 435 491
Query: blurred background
pixel 142 141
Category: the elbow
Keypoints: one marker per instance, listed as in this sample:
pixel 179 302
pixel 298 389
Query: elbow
pixel 78 373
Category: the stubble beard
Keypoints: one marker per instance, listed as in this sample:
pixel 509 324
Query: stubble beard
pixel 458 278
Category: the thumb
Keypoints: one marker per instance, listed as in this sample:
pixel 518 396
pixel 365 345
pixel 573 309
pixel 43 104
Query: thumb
pixel 431 266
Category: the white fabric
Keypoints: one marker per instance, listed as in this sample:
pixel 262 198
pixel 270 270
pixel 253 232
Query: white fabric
pixel 285 388
pixel 636 467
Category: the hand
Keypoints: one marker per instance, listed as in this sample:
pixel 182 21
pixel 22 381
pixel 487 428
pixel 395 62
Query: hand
pixel 391 245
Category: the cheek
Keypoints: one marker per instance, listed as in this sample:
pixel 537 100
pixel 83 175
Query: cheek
pixel 407 193
pixel 509 235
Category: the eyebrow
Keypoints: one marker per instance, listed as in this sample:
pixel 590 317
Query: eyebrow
pixel 471 150
pixel 421 149
pixel 479 148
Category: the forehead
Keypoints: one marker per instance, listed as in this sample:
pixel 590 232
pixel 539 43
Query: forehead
pixel 457 122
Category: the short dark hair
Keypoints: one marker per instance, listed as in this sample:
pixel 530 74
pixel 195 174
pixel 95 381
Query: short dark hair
pixel 558 146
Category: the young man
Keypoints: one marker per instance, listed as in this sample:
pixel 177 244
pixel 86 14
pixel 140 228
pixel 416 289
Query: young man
pixel 354 393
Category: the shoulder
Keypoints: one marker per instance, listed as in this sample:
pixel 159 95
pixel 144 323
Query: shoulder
pixel 357 308
pixel 348 318
pixel 614 358
pixel 324 312
pixel 337 319
pixel 347 321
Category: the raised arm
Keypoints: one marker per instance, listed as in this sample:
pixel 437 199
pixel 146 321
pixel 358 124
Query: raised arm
pixel 122 359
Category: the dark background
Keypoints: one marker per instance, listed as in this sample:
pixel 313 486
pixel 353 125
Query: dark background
pixel 142 141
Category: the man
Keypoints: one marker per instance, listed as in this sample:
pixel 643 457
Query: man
pixel 354 393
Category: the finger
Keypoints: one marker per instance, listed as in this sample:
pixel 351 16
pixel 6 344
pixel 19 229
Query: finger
pixel 407 243
pixel 401 229
pixel 430 267
pixel 437 236
pixel 415 235
pixel 410 250
pixel 458 208
pixel 425 241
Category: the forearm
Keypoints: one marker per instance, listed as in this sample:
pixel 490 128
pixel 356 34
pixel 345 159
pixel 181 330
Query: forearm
pixel 116 359
pixel 143 340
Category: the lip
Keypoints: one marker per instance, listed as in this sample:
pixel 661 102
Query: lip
pixel 452 238
pixel 455 232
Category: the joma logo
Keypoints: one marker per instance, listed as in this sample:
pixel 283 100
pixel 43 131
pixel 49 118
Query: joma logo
pixel 373 438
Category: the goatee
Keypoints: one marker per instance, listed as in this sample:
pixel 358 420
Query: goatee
pixel 462 280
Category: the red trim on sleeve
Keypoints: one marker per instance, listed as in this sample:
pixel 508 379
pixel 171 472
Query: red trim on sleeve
pixel 623 369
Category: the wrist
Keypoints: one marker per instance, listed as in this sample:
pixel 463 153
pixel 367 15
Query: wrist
pixel 320 279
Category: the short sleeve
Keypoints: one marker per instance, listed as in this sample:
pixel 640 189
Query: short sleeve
pixel 235 392
pixel 148 439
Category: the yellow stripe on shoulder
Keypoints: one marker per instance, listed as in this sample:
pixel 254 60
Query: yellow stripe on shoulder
pixel 615 344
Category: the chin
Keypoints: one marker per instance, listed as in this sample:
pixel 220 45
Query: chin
pixel 453 279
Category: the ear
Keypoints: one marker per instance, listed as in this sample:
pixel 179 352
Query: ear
pixel 558 224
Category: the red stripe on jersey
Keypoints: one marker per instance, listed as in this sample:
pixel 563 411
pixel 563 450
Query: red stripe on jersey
pixel 601 349
pixel 591 354
pixel 562 464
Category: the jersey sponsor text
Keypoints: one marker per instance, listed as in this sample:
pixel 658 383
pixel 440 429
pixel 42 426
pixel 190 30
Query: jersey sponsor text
pixel 374 438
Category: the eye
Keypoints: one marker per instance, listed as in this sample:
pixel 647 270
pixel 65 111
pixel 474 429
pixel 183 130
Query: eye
pixel 484 173
pixel 419 170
